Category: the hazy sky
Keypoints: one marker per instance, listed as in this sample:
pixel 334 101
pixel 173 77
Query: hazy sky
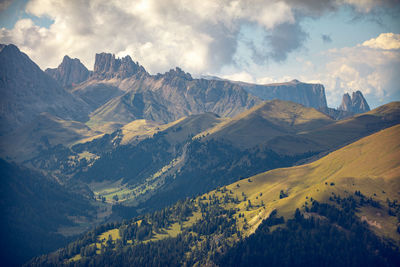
pixel 346 45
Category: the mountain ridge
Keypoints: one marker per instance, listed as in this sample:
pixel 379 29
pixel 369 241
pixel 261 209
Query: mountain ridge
pixel 70 72
pixel 355 104
pixel 26 91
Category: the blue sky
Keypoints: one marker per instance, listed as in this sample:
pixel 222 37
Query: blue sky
pixel 346 45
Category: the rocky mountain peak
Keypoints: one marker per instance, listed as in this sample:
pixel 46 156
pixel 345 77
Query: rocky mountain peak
pixel 10 48
pixel 177 72
pixel 360 105
pixel 307 94
pixel 355 104
pixel 108 66
pixel 26 91
pixel 69 72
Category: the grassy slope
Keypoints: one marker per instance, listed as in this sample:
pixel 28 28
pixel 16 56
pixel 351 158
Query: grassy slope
pixel 351 128
pixel 290 128
pixel 176 132
pixel 371 165
pixel 267 121
pixel 45 130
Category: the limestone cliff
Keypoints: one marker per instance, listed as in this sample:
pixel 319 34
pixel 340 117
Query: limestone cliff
pixel 70 72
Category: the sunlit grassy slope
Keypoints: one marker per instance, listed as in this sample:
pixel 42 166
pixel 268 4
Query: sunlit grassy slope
pixel 176 131
pixel 370 165
pixel 290 128
pixel 267 121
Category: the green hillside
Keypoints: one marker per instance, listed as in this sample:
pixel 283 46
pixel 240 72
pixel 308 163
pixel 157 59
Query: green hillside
pixel 360 184
pixel 266 137
pixel 370 165
pixel 42 133
pixel 266 121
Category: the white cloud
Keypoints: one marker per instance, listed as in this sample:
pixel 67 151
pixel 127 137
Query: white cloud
pixel 388 41
pixel 197 35
pixel 367 68
pixel 240 76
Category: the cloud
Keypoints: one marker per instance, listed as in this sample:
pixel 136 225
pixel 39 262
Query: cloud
pixel 326 38
pixel 387 41
pixel 366 6
pixel 198 35
pixel 240 76
pixel 285 38
pixel 371 67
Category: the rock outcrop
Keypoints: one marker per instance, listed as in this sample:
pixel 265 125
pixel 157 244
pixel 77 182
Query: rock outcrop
pixel 130 93
pixel 170 96
pixel 307 94
pixel 26 91
pixel 106 66
pixel 69 73
pixel 355 104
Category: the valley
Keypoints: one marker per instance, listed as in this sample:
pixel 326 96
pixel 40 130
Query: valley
pixel 362 174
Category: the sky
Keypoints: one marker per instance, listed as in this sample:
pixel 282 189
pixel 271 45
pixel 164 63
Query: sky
pixel 346 45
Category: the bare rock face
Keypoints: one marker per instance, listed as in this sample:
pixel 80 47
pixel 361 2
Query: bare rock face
pixel 170 96
pixel 307 94
pixel 70 72
pixel 360 105
pixel 26 91
pixel 355 104
pixel 106 66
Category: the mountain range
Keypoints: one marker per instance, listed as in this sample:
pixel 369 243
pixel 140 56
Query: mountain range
pixel 136 163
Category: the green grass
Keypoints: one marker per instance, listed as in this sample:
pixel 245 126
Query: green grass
pixel 267 121
pixel 370 165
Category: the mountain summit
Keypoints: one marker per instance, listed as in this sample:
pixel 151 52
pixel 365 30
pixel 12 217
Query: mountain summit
pixel 307 94
pixel 106 66
pixel 69 72
pixel 355 104
pixel 26 91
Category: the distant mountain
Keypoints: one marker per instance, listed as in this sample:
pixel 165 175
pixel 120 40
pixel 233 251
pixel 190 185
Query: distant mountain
pixel 70 72
pixel 26 91
pixel 120 90
pixel 307 94
pixel 106 66
pixel 355 104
